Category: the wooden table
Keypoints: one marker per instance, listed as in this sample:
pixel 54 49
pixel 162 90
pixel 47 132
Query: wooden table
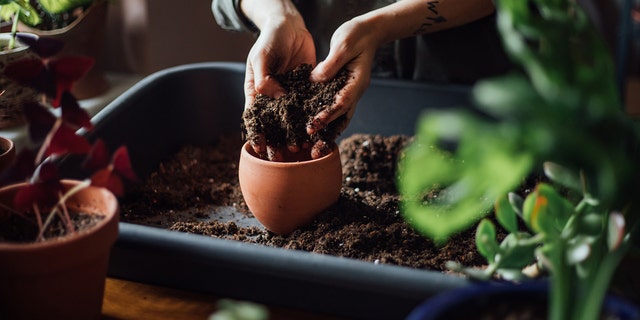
pixel 132 300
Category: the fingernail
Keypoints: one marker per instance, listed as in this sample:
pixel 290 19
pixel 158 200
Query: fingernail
pixel 274 155
pixel 314 125
pixel 293 148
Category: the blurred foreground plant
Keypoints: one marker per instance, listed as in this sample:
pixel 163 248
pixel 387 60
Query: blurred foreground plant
pixel 561 108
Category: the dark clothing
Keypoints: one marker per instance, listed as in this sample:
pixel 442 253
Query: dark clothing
pixel 459 55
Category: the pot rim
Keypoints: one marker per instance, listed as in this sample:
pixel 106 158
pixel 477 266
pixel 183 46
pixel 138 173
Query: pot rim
pixel 251 156
pixel 433 308
pixel 4 39
pixel 9 144
pixel 109 216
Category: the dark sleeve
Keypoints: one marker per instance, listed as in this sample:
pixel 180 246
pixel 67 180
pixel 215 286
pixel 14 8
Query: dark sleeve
pixel 229 16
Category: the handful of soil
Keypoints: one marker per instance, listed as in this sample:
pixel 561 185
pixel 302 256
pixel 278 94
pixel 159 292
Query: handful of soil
pixel 283 121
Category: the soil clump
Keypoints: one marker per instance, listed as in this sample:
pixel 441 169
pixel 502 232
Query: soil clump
pixel 283 121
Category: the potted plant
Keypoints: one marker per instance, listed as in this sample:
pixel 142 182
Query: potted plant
pixel 296 175
pixel 79 24
pixel 562 109
pixel 56 234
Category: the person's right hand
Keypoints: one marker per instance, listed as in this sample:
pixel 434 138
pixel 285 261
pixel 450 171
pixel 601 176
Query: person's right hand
pixel 283 44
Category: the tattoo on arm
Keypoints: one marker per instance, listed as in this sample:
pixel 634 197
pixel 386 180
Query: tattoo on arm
pixel 432 18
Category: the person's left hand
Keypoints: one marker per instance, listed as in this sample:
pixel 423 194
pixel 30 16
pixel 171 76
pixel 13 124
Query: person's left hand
pixel 353 46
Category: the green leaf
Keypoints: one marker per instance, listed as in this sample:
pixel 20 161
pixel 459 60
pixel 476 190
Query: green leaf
pixel 482 166
pixel 486 240
pixel 591 224
pixel 514 254
pixel 578 250
pixel 563 176
pixel 60 6
pixel 505 214
pixel 511 274
pixel 546 211
pixel 615 231
pixel 503 97
pixel 516 202
pixel 8 10
pixel 22 8
pixel 29 15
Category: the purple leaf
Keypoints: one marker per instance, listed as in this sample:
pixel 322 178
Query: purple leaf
pixel 72 114
pixel 122 164
pixel 98 157
pixel 42 46
pixel 65 140
pixel 40 120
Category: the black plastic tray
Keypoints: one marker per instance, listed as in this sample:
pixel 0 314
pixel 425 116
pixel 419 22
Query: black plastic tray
pixel 198 102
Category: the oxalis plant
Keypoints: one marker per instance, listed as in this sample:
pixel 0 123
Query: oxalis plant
pixel 557 119
pixel 53 127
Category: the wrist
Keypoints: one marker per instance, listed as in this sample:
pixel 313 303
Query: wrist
pixel 269 13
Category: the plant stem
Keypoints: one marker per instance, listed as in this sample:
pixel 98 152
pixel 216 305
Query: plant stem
pixel 14 31
pixel 62 203
pixel 570 229
pixel 560 295
pixel 597 286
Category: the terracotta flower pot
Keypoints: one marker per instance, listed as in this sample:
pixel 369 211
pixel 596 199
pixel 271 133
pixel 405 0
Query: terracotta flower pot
pixel 286 195
pixel 85 36
pixel 12 94
pixel 7 153
pixel 60 278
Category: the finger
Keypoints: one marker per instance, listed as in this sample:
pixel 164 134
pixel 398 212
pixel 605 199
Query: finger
pixel 264 81
pixel 343 103
pixel 320 149
pixel 328 68
pixel 345 99
pixel 293 148
pixel 249 86
pixel 259 145
pixel 274 154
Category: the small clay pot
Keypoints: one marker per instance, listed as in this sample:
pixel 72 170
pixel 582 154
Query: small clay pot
pixel 7 153
pixel 286 195
pixel 61 278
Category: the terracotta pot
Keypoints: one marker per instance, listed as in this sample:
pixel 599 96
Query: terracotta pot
pixel 60 278
pixel 7 153
pixel 12 94
pixel 286 195
pixel 85 36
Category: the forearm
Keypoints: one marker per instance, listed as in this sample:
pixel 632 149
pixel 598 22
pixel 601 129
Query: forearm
pixel 413 17
pixel 270 12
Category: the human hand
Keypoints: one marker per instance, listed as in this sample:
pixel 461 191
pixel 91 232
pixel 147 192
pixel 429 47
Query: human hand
pixel 353 46
pixel 282 45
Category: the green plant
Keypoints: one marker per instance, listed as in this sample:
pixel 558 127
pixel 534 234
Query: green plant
pixel 14 11
pixel 239 310
pixel 43 14
pixel 561 106
pixel 572 236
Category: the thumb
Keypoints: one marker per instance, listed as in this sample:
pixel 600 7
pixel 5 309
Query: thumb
pixel 327 69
